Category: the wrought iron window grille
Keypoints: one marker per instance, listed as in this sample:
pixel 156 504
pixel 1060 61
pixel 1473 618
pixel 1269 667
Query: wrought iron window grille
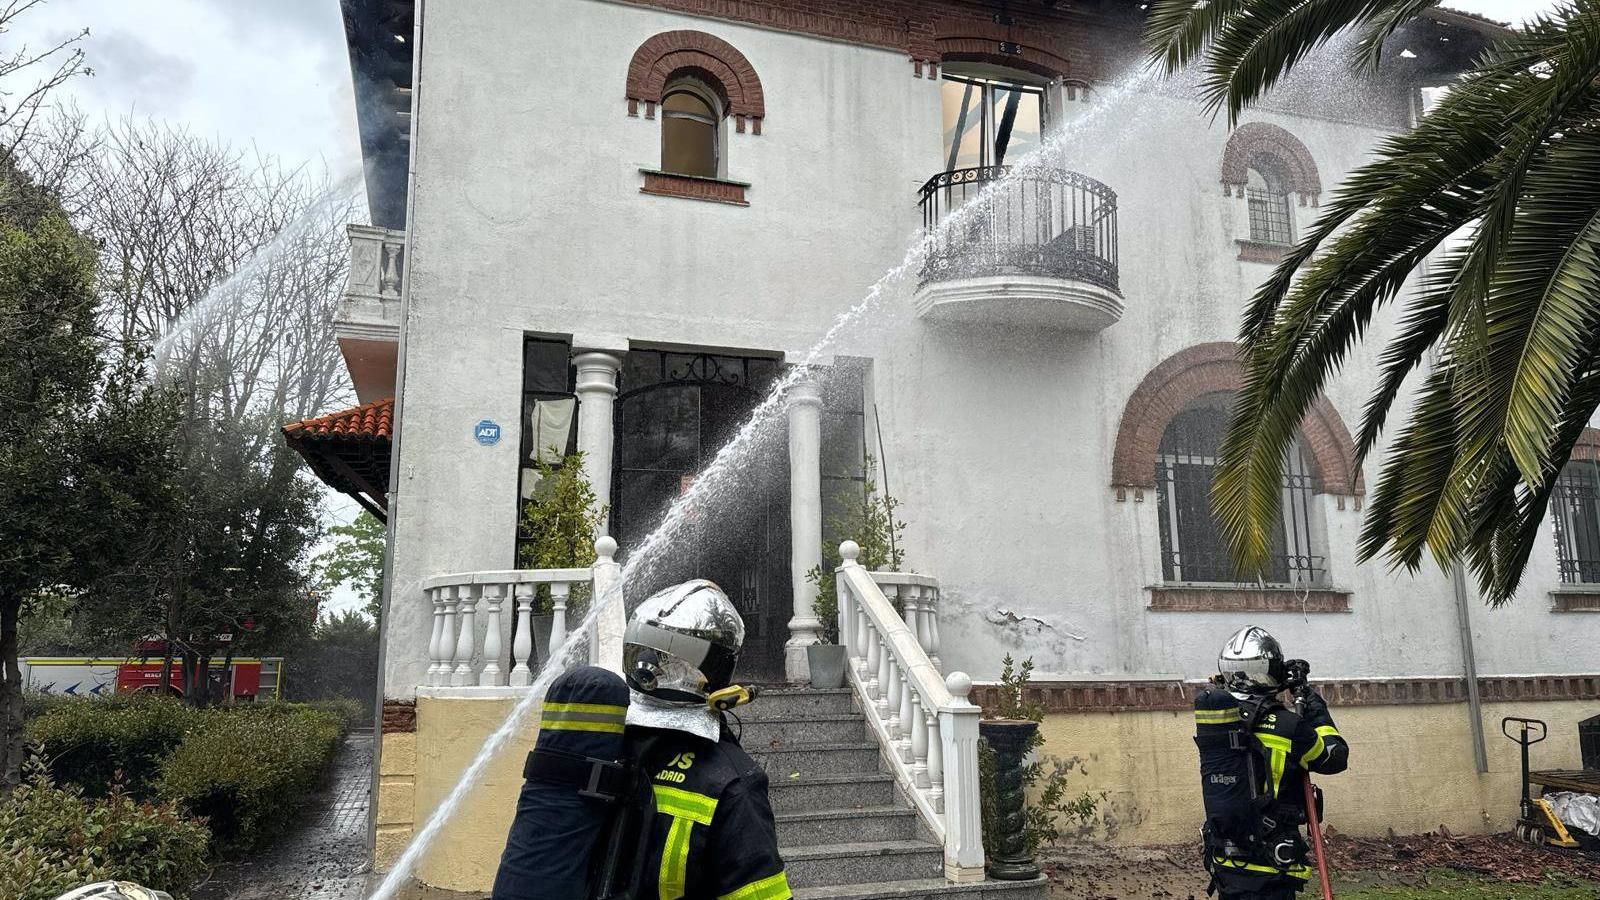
pixel 1575 508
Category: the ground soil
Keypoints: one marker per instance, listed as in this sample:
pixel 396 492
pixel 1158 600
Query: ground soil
pixel 1416 866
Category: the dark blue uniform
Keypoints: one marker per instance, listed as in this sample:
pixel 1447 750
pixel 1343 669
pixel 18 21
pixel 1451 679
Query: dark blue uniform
pixel 1291 745
pixel 563 815
pixel 711 835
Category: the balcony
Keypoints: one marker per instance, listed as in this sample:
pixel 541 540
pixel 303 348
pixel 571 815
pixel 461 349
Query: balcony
pixel 1035 248
pixel 367 324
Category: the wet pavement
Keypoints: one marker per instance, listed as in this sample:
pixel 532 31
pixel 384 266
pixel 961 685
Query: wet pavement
pixel 325 856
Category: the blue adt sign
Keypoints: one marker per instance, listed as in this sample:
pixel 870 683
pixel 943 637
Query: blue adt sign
pixel 487 432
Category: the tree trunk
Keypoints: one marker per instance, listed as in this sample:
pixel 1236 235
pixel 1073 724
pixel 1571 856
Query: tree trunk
pixel 183 676
pixel 202 680
pixel 227 676
pixel 166 671
pixel 11 745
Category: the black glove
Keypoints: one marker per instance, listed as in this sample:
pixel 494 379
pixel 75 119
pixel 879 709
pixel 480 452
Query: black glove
pixel 1313 708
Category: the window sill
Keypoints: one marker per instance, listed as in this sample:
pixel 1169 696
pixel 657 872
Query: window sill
pixel 694 187
pixel 1578 598
pixel 1255 251
pixel 1246 598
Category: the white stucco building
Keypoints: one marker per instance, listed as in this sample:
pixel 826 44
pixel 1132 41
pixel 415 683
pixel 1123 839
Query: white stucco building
pixel 611 226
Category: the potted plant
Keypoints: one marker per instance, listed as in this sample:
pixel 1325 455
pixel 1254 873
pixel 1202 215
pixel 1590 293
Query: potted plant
pixel 878 534
pixel 560 519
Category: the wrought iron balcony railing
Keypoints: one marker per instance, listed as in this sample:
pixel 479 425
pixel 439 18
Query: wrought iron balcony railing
pixel 1035 221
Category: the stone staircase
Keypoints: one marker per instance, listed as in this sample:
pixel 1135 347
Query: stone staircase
pixel 844 828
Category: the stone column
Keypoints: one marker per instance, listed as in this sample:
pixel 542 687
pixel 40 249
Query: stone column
pixel 805 521
pixel 597 394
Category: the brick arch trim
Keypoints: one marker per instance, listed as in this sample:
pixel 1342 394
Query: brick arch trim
pixel 1255 139
pixel 1208 368
pixel 705 56
pixel 976 41
pixel 1587 446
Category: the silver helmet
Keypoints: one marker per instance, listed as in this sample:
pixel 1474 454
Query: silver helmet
pixel 1251 662
pixel 114 890
pixel 679 649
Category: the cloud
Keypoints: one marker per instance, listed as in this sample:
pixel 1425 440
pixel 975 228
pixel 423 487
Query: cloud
pixel 131 72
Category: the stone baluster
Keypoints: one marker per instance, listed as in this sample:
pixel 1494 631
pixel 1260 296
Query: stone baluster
pixel 522 647
pixel 932 620
pixel 559 591
pixel 864 665
pixel 884 684
pixel 466 643
pixel 935 761
pixel 848 551
pixel 963 826
pixel 892 695
pixel 874 657
pixel 447 637
pixel 495 594
pixel 436 595
pixel 908 606
pixel 919 742
pixel 925 613
pixel 907 701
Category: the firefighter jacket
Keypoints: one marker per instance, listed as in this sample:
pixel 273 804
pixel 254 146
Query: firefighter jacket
pixel 1288 746
pixel 711 835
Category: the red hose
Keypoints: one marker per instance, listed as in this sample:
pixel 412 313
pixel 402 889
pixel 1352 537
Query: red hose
pixel 1316 839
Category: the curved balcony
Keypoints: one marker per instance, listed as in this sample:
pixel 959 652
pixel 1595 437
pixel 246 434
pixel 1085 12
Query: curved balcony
pixel 1033 247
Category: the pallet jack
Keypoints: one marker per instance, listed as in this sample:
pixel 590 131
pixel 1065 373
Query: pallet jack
pixel 1537 823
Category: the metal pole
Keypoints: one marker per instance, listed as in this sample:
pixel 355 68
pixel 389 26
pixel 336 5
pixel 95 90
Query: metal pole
pixel 1469 661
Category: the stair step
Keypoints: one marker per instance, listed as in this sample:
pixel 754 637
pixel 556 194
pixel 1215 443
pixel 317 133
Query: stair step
pixel 813 791
pixel 928 889
pixel 774 731
pixel 841 826
pixel 861 862
pixel 816 759
pixel 803 702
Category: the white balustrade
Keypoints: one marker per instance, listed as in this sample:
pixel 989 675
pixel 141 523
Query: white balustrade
pixel 919 598
pixel 377 262
pixel 923 720
pixel 468 650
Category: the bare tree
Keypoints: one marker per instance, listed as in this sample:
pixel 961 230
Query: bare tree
pixel 29 75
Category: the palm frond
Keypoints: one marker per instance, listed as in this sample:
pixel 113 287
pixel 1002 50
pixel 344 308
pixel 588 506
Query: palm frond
pixel 1179 30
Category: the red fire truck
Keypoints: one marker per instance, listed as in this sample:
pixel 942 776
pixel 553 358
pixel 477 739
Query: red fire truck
pixel 243 679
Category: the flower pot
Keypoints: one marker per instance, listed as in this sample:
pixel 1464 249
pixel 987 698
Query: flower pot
pixel 1008 738
pixel 827 665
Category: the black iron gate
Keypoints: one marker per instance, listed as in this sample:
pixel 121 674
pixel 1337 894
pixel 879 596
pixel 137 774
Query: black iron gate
pixel 674 412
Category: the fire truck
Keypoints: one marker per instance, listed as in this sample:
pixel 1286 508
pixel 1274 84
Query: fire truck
pixel 244 679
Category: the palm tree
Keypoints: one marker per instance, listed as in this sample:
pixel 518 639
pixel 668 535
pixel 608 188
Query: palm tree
pixel 1500 185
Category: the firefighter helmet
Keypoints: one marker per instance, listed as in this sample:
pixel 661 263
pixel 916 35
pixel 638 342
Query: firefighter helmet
pixel 114 890
pixel 679 650
pixel 1251 662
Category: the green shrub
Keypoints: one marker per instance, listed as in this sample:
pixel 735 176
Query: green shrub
pixel 349 712
pixel 54 838
pixel 248 768
pixel 37 703
pixel 87 742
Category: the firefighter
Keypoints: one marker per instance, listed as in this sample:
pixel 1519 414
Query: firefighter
pixel 708 830
pixel 1266 858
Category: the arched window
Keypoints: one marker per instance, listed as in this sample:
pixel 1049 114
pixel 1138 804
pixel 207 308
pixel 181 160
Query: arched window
pixel 691 130
pixel 1267 192
pixel 1192 549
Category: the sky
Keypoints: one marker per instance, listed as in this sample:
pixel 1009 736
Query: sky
pixel 272 74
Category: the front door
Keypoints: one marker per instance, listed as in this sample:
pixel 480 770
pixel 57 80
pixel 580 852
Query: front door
pixel 673 413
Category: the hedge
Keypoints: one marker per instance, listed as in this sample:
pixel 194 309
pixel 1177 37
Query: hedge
pixel 244 772
pixel 53 839
pixel 87 742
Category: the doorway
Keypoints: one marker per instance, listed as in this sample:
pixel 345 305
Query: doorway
pixel 674 412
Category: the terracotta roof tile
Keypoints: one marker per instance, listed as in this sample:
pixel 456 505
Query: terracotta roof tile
pixel 368 421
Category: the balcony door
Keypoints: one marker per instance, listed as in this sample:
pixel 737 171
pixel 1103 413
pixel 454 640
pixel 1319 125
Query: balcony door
pixel 990 116
pixel 674 412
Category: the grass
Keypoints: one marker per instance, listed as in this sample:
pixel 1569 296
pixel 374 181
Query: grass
pixel 1445 883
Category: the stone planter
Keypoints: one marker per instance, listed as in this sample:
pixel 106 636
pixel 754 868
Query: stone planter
pixel 827 662
pixel 1008 738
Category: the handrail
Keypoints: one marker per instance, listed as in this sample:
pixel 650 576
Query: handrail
pixel 923 722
